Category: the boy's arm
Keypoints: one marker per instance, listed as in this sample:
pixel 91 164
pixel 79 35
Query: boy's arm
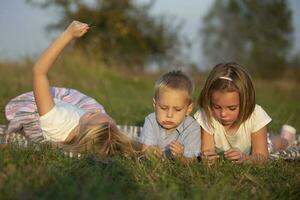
pixel 41 87
pixel 147 138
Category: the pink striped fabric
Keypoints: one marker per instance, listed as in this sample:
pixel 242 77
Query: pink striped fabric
pixel 21 111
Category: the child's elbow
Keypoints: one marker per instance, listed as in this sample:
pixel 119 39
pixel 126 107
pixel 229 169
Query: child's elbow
pixel 36 71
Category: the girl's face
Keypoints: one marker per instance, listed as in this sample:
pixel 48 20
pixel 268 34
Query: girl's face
pixel 225 107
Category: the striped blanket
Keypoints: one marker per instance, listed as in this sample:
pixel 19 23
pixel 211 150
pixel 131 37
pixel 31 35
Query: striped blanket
pixel 133 132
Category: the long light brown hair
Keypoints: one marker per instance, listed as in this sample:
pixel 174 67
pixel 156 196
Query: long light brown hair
pixel 236 80
pixel 104 139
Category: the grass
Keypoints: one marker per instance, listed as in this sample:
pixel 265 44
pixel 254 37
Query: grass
pixel 46 174
pixel 31 173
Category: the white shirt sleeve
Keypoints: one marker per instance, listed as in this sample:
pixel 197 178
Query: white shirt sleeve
pixel 201 118
pixel 259 118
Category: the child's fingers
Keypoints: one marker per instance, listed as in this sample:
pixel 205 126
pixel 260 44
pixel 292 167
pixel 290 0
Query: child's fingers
pixel 230 152
pixel 209 152
pixel 78 29
pixel 210 156
pixel 173 144
pixel 233 157
pixel 176 148
pixel 79 24
pixel 210 160
pixel 82 29
pixel 83 32
pixel 233 154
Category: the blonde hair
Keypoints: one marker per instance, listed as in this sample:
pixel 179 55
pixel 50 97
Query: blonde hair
pixel 176 80
pixel 104 139
pixel 229 77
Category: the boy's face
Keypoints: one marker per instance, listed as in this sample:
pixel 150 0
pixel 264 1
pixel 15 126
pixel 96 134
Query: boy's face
pixel 171 107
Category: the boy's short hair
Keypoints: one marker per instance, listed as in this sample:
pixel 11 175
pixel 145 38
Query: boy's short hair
pixel 176 80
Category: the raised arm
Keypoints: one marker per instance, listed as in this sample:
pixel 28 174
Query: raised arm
pixel 41 87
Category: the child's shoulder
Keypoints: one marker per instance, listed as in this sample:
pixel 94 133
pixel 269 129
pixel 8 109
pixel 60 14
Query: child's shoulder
pixel 258 107
pixel 190 118
pixel 190 123
pixel 258 111
pixel 151 118
pixel 258 119
pixel 200 115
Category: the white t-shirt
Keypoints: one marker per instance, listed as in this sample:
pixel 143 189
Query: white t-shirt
pixel 60 121
pixel 241 139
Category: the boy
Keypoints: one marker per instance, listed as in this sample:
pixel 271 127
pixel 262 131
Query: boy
pixel 170 128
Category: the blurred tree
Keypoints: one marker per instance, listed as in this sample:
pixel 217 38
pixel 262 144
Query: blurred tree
pixel 122 32
pixel 255 33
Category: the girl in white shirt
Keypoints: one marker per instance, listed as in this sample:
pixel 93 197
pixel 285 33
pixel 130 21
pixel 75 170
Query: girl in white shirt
pixel 231 122
pixel 67 125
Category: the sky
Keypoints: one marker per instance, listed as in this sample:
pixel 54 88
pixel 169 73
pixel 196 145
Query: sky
pixel 22 26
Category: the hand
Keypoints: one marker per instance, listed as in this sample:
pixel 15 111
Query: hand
pixel 77 29
pixel 235 155
pixel 176 148
pixel 210 156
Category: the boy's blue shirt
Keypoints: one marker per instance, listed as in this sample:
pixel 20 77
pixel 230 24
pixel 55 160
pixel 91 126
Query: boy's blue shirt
pixel 187 134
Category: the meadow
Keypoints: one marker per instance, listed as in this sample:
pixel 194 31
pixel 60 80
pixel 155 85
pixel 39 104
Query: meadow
pixel 43 173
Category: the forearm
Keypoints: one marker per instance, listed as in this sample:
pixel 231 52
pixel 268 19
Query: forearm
pixel 259 147
pixel 255 158
pixel 41 86
pixel 48 57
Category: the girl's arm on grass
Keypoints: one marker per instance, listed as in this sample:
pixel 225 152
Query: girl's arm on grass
pixel 208 152
pixel 41 87
pixel 259 145
pixel 259 153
